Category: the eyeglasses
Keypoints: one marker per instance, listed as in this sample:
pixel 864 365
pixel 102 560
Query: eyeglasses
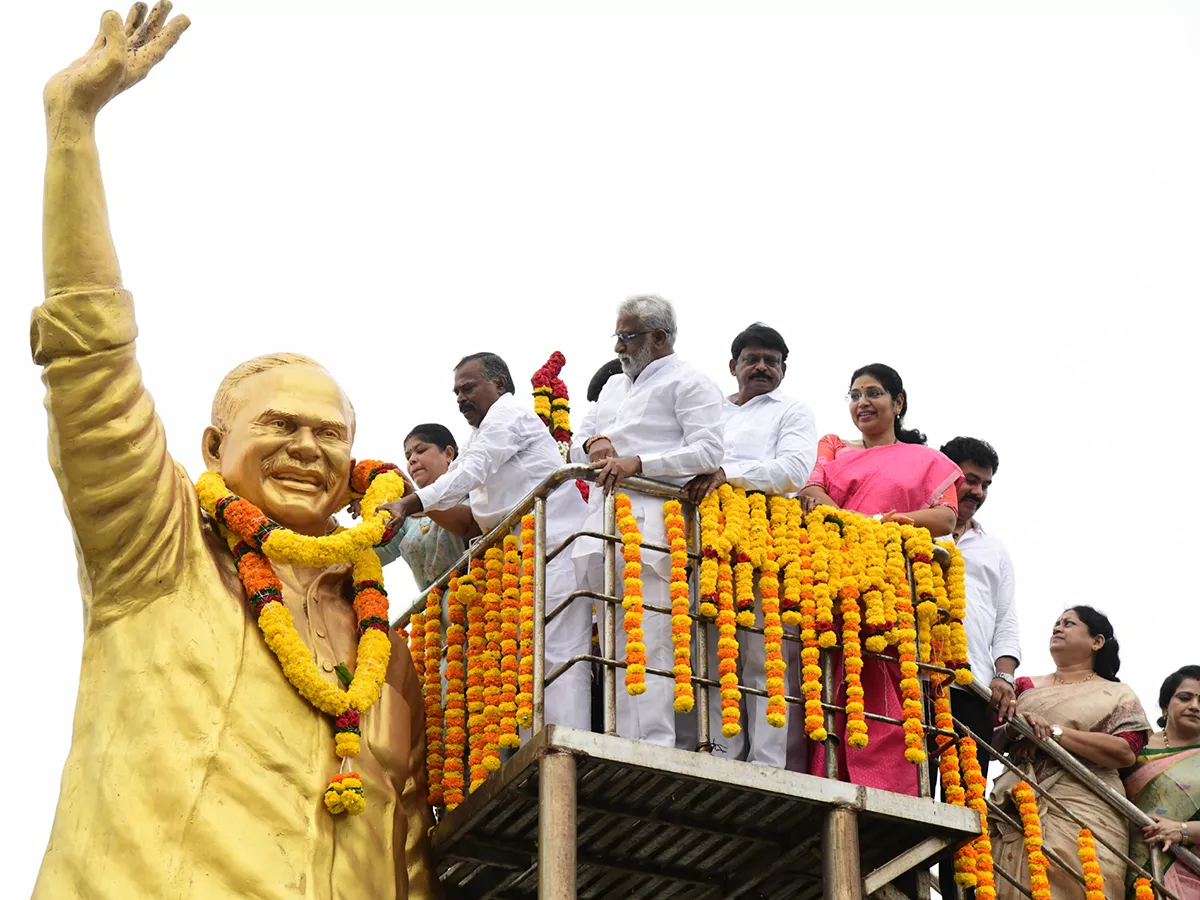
pixel 628 337
pixel 869 393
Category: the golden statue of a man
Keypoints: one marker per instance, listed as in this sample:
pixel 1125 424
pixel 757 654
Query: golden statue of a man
pixel 196 770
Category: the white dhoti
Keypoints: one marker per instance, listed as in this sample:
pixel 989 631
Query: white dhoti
pixel 569 634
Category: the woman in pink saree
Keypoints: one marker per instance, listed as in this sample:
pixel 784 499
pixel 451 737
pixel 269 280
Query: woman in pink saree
pixel 890 473
pixel 1165 783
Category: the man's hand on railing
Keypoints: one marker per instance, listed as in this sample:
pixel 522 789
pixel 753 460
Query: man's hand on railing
pixel 611 473
pixel 600 449
pixel 1004 699
pixel 703 485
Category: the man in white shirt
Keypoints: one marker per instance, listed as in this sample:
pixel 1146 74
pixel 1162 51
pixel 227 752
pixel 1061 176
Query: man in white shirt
pixel 993 638
pixel 770 446
pixel 660 418
pixel 509 453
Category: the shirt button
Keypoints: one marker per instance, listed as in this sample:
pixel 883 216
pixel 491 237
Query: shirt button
pixel 320 633
pixel 328 667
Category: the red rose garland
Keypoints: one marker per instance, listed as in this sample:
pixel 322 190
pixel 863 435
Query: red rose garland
pixel 551 403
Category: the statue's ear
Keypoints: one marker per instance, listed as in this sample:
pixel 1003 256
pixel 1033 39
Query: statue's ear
pixel 211 448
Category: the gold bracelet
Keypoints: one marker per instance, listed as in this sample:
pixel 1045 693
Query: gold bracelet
pixel 587 445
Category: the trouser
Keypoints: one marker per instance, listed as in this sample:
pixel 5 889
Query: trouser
pixel 569 634
pixel 648 717
pixel 758 741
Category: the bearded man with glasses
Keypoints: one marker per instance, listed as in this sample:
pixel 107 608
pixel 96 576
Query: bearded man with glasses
pixel 660 418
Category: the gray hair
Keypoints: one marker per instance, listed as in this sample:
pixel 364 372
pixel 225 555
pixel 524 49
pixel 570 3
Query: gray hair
pixel 654 313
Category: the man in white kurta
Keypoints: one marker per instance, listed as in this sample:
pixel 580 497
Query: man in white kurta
pixel 660 418
pixel 508 454
pixel 770 446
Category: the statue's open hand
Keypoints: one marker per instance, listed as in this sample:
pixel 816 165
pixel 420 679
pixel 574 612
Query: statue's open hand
pixel 123 54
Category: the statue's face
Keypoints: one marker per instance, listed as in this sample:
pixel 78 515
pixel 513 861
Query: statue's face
pixel 288 447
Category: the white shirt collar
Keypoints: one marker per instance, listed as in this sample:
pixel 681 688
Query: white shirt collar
pixel 776 395
pixel 654 366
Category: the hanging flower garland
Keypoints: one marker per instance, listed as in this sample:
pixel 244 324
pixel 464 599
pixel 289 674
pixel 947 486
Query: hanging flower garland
pixel 456 706
pixel 476 667
pixel 1142 889
pixel 635 649
pixel 256 541
pixel 956 589
pixel 873 586
pixel 510 615
pixel 798 566
pixel 919 547
pixel 774 665
pixel 913 712
pixel 895 573
pixel 552 405
pixel 525 667
pixel 492 679
pixel 1039 883
pixel 823 587
pixel 976 785
pixel 727 643
pixel 681 621
pixel 1093 878
pixel 852 661
pixel 435 732
pixel 749 560
pixel 710 534
pixel 810 656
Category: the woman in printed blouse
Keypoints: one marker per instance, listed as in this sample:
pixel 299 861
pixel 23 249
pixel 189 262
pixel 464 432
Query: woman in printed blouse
pixel 430 544
pixel 1084 707
pixel 888 472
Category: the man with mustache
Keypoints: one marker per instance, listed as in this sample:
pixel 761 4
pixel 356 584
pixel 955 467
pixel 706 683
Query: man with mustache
pixel 510 452
pixel 770 446
pixel 660 418
pixel 993 637
pixel 196 769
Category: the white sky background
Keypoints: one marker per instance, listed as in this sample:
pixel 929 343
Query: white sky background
pixel 1002 204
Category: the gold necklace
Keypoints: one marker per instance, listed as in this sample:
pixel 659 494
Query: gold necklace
pixel 1091 675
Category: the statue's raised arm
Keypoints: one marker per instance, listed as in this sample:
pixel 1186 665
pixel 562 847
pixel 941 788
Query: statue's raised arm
pixel 123 493
pixel 77 248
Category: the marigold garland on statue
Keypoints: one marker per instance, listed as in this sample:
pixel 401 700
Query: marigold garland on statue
pixel 256 541
pixel 1093 878
pixel 635 649
pixel 525 667
pixel 510 612
pixel 416 640
pixel 681 621
pixel 456 705
pixel 1039 883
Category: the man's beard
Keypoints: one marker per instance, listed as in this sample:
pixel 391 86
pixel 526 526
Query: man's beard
pixel 633 364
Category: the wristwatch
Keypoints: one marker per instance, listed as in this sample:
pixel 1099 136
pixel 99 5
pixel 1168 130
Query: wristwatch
pixel 1056 732
pixel 1008 679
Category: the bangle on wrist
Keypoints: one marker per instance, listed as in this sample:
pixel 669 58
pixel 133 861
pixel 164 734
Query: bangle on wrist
pixel 587 445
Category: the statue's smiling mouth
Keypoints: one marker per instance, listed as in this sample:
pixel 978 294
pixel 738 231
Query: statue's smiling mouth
pixel 299 479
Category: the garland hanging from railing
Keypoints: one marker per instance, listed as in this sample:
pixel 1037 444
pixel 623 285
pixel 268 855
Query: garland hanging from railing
pixel 552 404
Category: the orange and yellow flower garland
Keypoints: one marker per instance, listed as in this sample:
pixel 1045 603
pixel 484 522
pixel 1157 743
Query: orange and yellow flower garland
pixel 956 589
pixel 255 541
pixel 525 668
pixel 476 666
pixel 681 620
pixel 456 707
pixel 435 732
pixel 492 681
pixel 710 533
pixel 852 661
pixel 775 666
pixel 1093 878
pixel 976 785
pixel 510 615
pixel 1142 889
pixel 635 648
pixel 1039 883
pixel 416 640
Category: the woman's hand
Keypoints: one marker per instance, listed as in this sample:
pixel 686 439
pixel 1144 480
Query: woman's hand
pixel 1167 831
pixel 898 518
pixel 812 497
pixel 408 505
pixel 1043 729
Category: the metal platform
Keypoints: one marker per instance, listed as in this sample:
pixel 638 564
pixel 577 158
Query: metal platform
pixel 661 823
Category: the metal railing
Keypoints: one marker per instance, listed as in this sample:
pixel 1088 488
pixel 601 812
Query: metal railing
pixel 607 602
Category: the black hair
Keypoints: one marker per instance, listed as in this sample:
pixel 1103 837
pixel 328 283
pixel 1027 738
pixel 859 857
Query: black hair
pixel 972 450
pixel 600 379
pixel 759 335
pixel 1107 660
pixel 1171 685
pixel 433 433
pixel 891 382
pixel 494 368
